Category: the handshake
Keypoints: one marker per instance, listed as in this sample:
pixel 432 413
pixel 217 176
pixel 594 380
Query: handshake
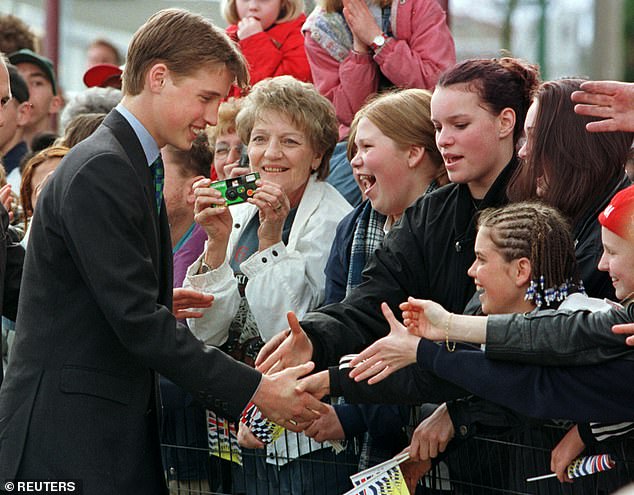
pixel 287 395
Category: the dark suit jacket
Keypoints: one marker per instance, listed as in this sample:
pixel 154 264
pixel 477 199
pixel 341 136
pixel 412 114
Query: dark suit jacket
pixel 94 327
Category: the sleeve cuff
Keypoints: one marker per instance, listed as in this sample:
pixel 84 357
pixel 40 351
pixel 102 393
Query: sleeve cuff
pixel 203 281
pixel 262 259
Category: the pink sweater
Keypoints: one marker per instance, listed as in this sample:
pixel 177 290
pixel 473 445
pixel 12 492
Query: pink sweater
pixel 421 48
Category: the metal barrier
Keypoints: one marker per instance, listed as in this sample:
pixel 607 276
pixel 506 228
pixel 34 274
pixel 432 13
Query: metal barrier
pixel 479 465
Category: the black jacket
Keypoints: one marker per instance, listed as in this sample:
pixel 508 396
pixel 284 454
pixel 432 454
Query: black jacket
pixel 426 255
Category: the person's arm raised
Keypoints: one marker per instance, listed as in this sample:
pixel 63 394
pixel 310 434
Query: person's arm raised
pixel 612 101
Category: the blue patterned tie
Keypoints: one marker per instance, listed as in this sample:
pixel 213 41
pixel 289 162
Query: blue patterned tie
pixel 158 172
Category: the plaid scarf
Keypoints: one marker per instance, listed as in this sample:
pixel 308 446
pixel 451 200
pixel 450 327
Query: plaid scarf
pixel 368 235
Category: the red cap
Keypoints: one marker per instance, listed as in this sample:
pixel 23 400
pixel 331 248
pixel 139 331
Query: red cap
pixel 618 216
pixel 103 76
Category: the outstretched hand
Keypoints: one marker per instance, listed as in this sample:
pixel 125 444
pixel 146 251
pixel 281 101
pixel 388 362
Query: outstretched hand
pixel 187 303
pixel 386 355
pixel 282 401
pixel 612 101
pixel 624 329
pixel 317 384
pixel 288 348
pixel 424 318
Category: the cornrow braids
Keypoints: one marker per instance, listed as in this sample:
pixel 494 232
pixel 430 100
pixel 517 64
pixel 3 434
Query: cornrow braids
pixel 540 233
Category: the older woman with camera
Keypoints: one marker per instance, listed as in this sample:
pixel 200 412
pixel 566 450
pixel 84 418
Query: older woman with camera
pixel 267 256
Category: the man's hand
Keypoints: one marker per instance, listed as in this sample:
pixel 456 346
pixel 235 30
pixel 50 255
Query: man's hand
pixel 386 355
pixel 282 401
pixel 610 100
pixel 327 427
pixel 186 303
pixel 291 347
pixel 432 435
pixel 626 328
pixel 566 451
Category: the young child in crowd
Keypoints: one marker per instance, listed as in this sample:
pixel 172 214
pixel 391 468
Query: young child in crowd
pixel 269 35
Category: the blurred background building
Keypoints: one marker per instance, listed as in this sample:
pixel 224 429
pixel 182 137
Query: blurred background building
pixel 593 38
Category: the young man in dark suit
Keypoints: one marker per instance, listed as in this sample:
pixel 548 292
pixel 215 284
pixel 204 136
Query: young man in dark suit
pixel 94 324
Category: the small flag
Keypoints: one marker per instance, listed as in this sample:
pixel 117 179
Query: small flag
pixel 383 479
pixel 223 438
pixel 583 466
pixel 260 426
pixel 589 465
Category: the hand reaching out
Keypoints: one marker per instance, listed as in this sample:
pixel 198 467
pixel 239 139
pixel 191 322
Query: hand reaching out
pixel 282 401
pixel 327 427
pixel 288 348
pixel 386 355
pixel 625 329
pixel 424 318
pixel 186 302
pixel 317 384
pixel 610 100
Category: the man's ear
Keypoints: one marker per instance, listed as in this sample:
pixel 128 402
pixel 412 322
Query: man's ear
pixel 189 184
pixel 55 105
pixel 157 76
pixel 24 113
pixel 507 122
pixel 523 271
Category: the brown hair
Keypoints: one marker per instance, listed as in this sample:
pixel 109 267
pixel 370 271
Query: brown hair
pixel 106 44
pixel 500 83
pixel 302 104
pixel 26 186
pixel 194 161
pixel 540 233
pixel 388 111
pixel 575 164
pixel 184 42
pixel 289 11
pixel 15 35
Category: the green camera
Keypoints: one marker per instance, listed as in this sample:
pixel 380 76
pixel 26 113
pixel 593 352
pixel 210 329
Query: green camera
pixel 238 189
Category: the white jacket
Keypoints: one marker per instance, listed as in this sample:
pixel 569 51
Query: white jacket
pixel 281 278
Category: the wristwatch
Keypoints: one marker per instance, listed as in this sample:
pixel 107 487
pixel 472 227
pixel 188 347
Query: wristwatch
pixel 378 42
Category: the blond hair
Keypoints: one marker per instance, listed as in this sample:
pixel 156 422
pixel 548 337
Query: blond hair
pixel 184 42
pixel 289 11
pixel 302 105
pixel 226 123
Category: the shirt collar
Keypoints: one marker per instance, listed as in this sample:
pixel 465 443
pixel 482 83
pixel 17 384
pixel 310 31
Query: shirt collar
pixel 150 148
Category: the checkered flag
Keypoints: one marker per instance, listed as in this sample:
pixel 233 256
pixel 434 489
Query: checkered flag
pixel 260 426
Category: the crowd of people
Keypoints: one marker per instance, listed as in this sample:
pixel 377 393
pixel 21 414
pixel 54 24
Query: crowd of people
pixel 464 229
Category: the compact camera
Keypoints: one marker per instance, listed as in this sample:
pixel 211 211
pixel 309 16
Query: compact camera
pixel 238 189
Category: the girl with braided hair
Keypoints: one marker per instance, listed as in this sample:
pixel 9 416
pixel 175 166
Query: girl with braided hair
pixel 525 261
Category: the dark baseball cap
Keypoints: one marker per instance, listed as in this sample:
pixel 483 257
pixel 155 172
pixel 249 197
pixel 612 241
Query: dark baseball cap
pixel 19 88
pixel 29 56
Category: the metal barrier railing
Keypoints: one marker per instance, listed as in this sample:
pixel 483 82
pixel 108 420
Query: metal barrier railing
pixel 480 465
